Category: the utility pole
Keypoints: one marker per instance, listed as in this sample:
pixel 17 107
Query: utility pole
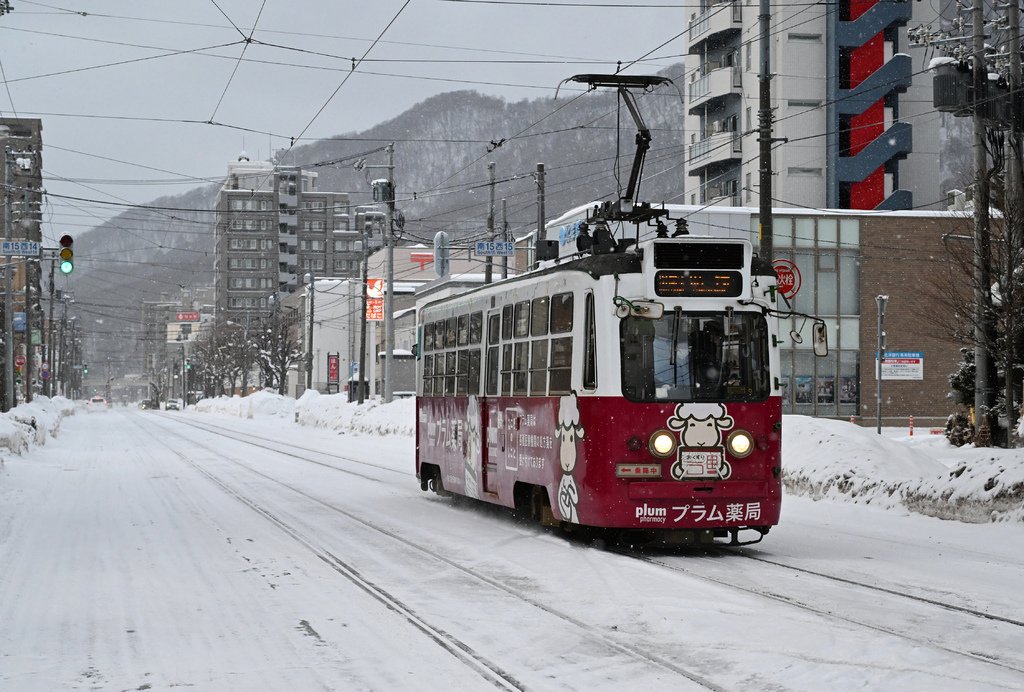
pixel 764 116
pixel 309 350
pixel 489 264
pixel 8 305
pixel 48 383
pixel 1014 194
pixel 982 250
pixel 389 294
pixel 504 237
pixel 30 348
pixel 540 212
pixel 363 370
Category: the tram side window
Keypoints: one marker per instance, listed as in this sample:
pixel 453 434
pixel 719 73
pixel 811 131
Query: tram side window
pixel 476 327
pixel 451 325
pixel 561 313
pixel 506 323
pixel 463 330
pixel 539 316
pixel 520 368
pixel 506 369
pixel 462 374
pixel 561 366
pixel 493 363
pixel 473 382
pixel 522 319
pixel 589 345
pixel 539 367
pixel 450 371
pixel 428 336
pixel 428 375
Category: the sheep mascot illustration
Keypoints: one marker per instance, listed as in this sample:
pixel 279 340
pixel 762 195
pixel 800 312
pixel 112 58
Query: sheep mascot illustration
pixel 569 431
pixel 700 426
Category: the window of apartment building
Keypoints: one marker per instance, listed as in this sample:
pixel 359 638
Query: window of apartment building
pixel 313 263
pixel 749 57
pixel 804 171
pixel 750 119
pixel 242 244
pixel 313 245
pixel 242 283
pixel 803 103
pixel 811 38
pixel 314 204
pixel 313 225
pixel 748 192
pixel 237 302
pixel 346 245
pixel 248 224
pixel 266 244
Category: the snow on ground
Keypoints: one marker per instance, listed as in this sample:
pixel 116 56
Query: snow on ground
pixel 823 459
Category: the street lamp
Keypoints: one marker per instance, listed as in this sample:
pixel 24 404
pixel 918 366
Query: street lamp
pixel 880 301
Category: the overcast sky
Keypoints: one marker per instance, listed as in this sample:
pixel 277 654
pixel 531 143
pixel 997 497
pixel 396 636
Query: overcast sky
pixel 113 80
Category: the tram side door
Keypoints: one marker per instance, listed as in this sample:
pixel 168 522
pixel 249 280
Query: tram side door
pixel 513 416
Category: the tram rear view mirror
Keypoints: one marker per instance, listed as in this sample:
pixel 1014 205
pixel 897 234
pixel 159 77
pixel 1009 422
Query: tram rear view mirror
pixel 648 309
pixel 820 339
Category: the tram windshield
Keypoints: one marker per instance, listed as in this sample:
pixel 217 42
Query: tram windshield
pixel 687 356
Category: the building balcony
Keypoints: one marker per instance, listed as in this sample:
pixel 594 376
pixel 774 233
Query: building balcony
pixel 716 22
pixel 287 200
pixel 290 220
pixel 716 84
pixel 721 149
pixel 289 258
pixel 290 239
pixel 284 277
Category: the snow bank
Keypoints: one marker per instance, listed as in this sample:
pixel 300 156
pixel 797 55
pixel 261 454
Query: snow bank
pixel 828 459
pixel 28 424
pixel 332 411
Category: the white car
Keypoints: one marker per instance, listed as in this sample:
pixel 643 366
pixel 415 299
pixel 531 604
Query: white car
pixel 97 403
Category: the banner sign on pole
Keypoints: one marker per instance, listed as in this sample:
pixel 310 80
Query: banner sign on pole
pixel 491 248
pixel 374 300
pixel 30 248
pixel 333 364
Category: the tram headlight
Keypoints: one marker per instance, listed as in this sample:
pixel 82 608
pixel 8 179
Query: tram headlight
pixel 740 443
pixel 662 444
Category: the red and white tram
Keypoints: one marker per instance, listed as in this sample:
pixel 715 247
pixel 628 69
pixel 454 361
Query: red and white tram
pixel 629 384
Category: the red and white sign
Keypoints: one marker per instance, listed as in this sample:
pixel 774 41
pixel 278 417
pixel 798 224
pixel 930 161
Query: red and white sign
pixel 375 300
pixel 789 277
pixel 19 360
pixel 332 368
pixel 186 316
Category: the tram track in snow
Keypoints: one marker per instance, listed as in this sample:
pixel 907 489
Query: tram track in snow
pixel 803 604
pixel 456 647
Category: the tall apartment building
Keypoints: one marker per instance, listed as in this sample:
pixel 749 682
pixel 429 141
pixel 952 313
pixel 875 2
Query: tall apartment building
pixel 859 125
pixel 273 227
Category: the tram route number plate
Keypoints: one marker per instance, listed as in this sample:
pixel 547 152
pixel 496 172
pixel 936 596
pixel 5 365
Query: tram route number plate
pixel 700 463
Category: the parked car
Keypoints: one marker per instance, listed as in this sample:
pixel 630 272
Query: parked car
pixel 172 405
pixel 97 403
pixel 149 404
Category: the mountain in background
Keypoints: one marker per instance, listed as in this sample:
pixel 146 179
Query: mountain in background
pixel 442 148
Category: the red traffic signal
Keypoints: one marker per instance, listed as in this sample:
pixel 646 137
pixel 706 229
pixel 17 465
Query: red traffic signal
pixel 66 240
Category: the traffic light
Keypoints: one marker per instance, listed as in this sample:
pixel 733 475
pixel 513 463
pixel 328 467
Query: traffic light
pixel 188 364
pixel 85 369
pixel 67 255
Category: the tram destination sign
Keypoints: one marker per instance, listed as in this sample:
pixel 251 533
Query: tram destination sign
pixel 490 248
pixel 698 283
pixel 29 248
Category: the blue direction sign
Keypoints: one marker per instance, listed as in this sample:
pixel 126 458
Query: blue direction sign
pixel 20 247
pixel 490 248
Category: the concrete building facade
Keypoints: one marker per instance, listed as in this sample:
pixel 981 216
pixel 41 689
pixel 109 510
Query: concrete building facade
pixel 273 227
pixel 855 125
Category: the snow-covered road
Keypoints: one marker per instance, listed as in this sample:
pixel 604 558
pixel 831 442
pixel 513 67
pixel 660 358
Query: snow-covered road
pixel 144 550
